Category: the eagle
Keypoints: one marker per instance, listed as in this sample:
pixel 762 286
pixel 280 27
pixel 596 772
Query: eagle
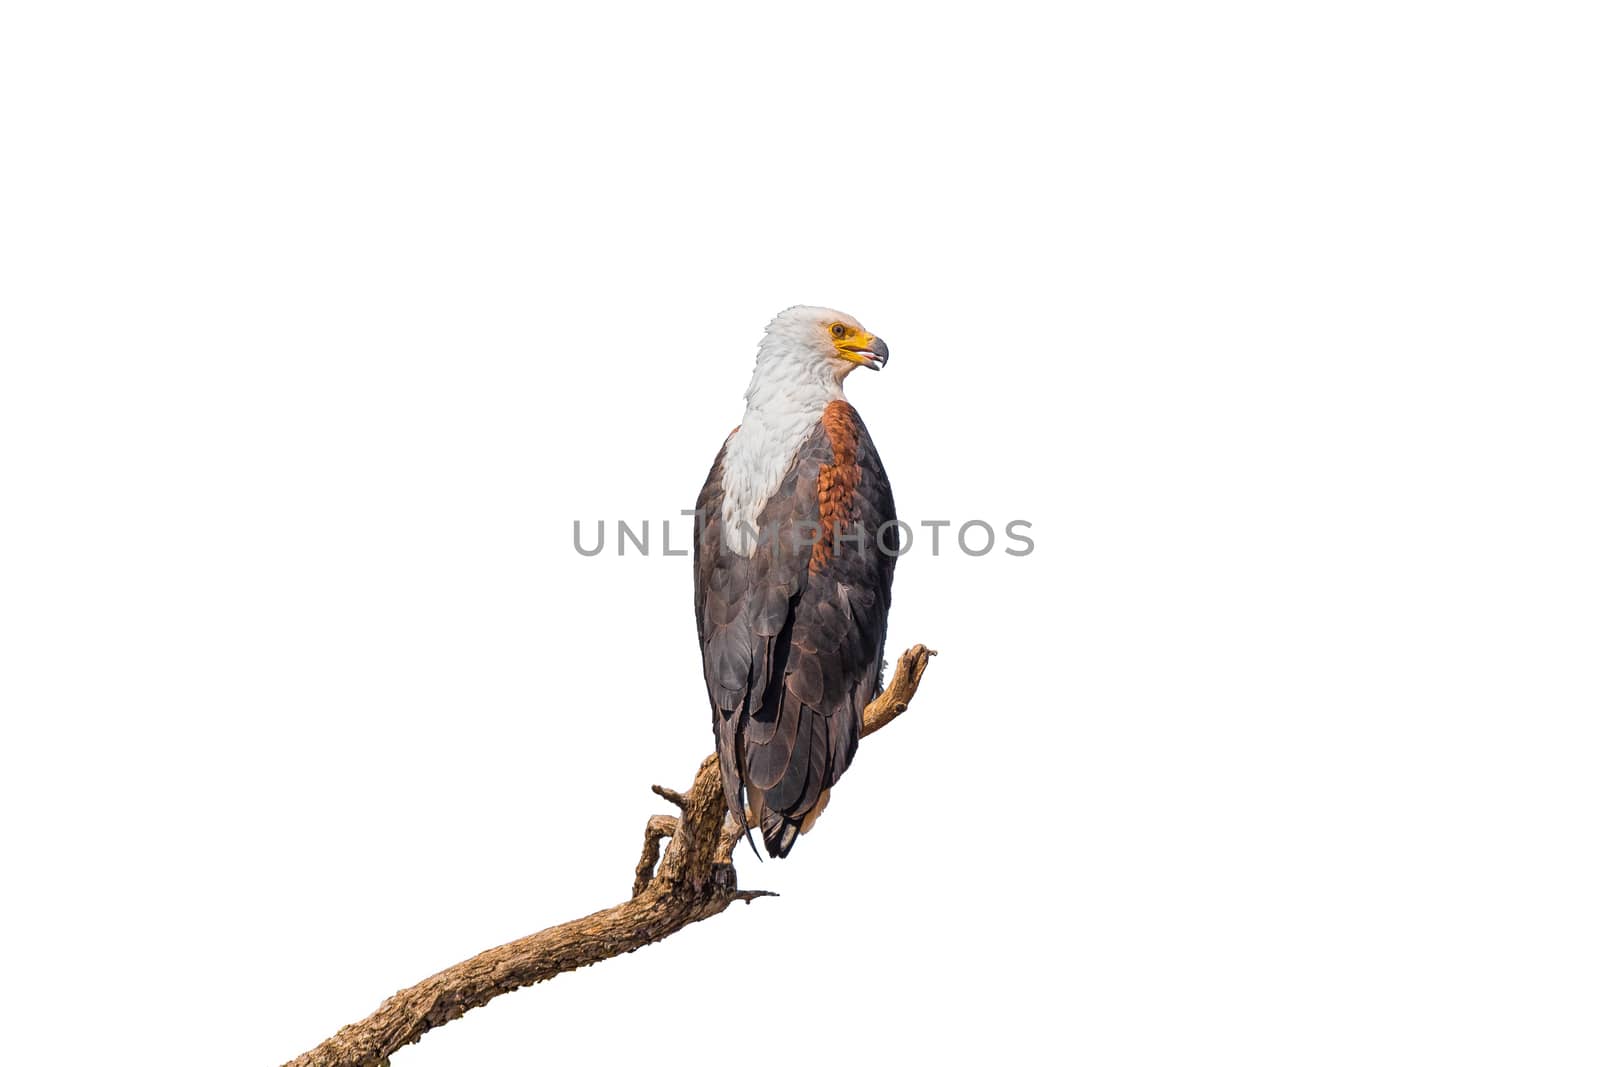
pixel 794 553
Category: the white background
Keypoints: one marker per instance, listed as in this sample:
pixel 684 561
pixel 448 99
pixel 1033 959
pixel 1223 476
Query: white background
pixel 322 323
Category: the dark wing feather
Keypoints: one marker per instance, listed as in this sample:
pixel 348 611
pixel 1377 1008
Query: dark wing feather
pixel 745 610
pixel 722 584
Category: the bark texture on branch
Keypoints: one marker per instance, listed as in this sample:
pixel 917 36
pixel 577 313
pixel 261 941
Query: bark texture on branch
pixel 693 880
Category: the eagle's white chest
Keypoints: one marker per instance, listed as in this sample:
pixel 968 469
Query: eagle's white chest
pixel 757 459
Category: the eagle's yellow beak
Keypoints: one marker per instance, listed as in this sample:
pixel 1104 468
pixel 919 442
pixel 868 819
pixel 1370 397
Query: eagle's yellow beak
pixel 861 347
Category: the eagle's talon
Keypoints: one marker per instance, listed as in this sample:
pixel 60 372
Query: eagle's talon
pixel 723 876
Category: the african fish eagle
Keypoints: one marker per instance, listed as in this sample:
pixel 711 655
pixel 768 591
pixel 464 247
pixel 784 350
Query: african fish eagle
pixel 794 554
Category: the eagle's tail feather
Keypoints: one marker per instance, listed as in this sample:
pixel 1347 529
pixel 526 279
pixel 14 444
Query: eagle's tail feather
pixel 779 831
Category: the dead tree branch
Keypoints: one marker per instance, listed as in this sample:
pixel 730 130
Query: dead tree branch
pixel 694 880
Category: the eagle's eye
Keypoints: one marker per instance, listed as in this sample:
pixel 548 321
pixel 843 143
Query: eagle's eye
pixel 838 329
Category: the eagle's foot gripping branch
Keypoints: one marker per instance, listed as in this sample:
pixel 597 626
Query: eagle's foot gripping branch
pixel 724 877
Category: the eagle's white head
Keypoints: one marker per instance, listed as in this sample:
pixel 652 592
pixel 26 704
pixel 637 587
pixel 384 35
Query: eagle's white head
pixel 833 339
pixel 807 351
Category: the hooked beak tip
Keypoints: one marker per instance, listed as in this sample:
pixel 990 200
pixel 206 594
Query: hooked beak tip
pixel 880 354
